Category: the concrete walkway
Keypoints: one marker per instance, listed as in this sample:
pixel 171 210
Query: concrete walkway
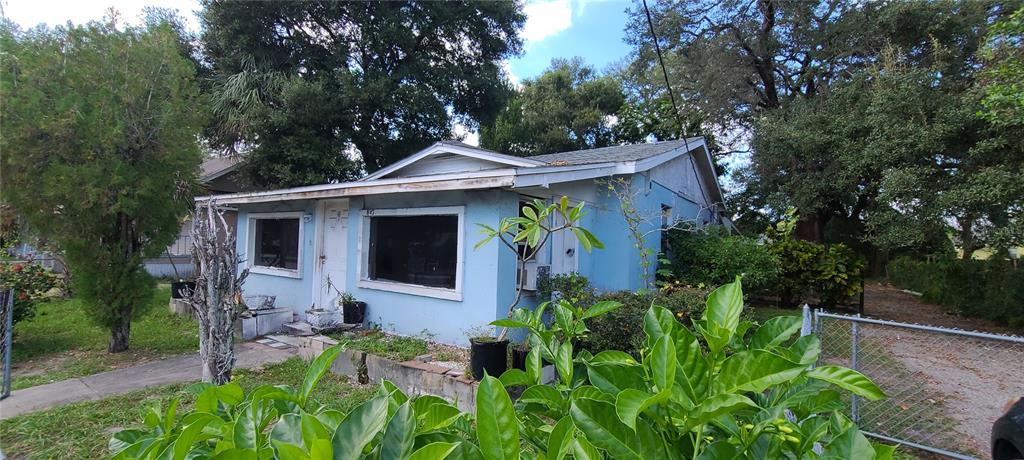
pixel 120 381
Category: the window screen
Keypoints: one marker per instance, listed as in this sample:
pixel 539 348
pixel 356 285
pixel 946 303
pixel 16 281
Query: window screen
pixel 277 243
pixel 419 250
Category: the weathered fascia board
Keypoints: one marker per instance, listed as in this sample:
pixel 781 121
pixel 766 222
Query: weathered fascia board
pixel 365 188
pixel 543 177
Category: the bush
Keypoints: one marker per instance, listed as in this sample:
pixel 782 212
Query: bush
pixel 623 328
pixel 996 288
pixel 713 257
pixel 832 273
pixel 30 282
pixel 573 287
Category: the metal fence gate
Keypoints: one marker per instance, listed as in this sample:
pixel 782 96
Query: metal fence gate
pixel 945 387
pixel 6 331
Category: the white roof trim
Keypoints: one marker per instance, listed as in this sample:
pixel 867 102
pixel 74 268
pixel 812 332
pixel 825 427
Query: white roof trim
pixel 441 148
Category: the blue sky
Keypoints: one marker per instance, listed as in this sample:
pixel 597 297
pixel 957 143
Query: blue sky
pixel 568 28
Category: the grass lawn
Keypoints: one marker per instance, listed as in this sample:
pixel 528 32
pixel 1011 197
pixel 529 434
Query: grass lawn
pixel 82 430
pixel 61 341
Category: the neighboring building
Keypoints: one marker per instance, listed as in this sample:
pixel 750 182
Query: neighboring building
pixel 402 239
pixel 217 176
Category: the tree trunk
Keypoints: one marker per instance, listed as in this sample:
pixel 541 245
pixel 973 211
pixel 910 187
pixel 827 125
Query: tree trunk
pixel 120 330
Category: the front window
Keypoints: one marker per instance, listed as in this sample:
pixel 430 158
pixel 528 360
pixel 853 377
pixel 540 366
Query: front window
pixel 276 243
pixel 414 249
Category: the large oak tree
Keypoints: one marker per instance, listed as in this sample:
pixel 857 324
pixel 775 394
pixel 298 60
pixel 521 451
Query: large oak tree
pixel 318 90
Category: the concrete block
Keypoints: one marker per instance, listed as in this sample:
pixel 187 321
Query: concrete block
pixel 179 307
pixel 350 363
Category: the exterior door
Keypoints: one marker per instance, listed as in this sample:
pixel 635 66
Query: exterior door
pixel 331 261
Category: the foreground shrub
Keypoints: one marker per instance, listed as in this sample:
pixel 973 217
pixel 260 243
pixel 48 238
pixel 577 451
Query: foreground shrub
pixel 727 398
pixel 622 329
pixel 30 282
pixel 996 287
pixel 713 257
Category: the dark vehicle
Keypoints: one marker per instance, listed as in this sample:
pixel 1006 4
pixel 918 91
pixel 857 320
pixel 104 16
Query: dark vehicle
pixel 1008 433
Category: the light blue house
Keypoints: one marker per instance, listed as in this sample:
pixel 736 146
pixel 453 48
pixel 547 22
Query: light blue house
pixel 402 239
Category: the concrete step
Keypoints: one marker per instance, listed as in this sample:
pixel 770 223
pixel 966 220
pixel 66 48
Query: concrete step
pixel 300 328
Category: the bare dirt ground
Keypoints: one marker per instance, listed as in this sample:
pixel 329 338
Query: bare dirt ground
pixel 944 390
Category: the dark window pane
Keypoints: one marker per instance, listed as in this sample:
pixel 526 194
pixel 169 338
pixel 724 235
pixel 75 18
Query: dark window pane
pixel 277 243
pixel 414 249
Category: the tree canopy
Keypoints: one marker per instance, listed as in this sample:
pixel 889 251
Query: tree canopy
pixel 101 123
pixel 316 91
pixel 568 107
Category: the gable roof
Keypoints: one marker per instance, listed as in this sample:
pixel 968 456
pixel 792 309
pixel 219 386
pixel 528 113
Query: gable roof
pixel 458 148
pixel 218 166
pixel 483 168
pixel 615 153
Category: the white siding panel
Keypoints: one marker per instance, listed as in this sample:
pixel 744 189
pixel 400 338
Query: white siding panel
pixel 444 164
pixel 678 175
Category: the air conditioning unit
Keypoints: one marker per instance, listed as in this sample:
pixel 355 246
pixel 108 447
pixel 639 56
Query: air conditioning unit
pixel 532 272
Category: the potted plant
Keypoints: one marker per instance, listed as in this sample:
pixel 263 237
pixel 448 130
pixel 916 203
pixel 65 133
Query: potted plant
pixel 353 311
pixel 488 355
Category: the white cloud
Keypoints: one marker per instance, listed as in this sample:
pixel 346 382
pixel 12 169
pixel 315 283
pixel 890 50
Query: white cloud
pixel 546 18
pixel 468 136
pixel 506 68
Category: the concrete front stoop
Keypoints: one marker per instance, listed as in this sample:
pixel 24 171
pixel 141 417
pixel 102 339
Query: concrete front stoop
pixel 413 376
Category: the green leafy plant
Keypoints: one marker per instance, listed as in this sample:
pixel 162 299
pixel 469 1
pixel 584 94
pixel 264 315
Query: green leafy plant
pixel 539 220
pixel 573 287
pixel 622 328
pixel 30 282
pixel 712 256
pixel 728 390
pixel 282 422
pixel 833 273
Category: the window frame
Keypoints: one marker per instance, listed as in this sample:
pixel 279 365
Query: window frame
pixel 363 269
pixel 251 244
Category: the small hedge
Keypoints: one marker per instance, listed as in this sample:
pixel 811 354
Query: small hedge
pixel 988 289
pixel 713 257
pixel 623 328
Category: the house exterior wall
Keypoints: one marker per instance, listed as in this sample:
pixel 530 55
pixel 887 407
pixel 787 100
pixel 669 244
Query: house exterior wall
pixel 488 273
pixel 295 293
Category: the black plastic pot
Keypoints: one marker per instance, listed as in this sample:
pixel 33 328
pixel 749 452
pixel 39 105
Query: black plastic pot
pixel 519 353
pixel 488 354
pixel 353 312
pixel 180 289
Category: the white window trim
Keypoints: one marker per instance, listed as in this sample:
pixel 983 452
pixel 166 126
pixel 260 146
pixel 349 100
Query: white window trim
pixel 251 244
pixel 363 268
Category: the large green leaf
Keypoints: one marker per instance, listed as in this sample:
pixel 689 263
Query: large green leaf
pixel 755 370
pixel 663 363
pixel 722 315
pixel 560 439
pixel 630 403
pixel 236 453
pixel 313 429
pixel 497 427
pixel 717 406
pixel 850 444
pixel 230 394
pixel 188 436
pixel 563 363
pixel 515 377
pixel 658 322
pixel 599 422
pixel 546 395
pixel 613 357
pixel 804 350
pixel 248 429
pixel 601 308
pixel 591 392
pixel 286 451
pixel 399 435
pixel 316 371
pixel 691 366
pixel 359 428
pixel 584 450
pixel 288 429
pixel 613 378
pixel 848 379
pixel 438 416
pixel 775 331
pixel 433 451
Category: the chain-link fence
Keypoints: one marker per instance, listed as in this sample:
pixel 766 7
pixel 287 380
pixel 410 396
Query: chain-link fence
pixel 6 336
pixel 945 387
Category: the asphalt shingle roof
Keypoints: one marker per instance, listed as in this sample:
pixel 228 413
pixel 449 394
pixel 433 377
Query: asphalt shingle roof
pixel 615 153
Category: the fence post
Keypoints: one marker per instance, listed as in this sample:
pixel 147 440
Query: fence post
pixel 807 325
pixel 8 346
pixel 854 352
